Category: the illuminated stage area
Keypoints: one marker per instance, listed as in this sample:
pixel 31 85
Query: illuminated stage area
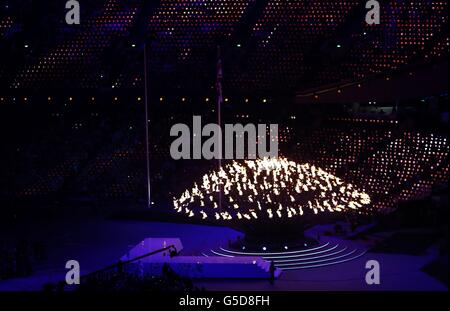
pixel 269 200
pixel 100 244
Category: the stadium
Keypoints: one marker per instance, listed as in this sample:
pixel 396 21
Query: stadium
pixel 88 174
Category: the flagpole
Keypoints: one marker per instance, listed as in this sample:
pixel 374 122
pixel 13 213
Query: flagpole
pixel 147 149
pixel 219 115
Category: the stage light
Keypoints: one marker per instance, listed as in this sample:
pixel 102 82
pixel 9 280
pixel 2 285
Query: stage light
pixel 264 248
pixel 286 248
pixel 206 99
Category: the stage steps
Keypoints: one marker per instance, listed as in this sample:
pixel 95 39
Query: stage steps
pixel 327 254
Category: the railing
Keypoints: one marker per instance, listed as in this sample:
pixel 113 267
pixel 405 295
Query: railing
pixel 118 267
pixel 121 264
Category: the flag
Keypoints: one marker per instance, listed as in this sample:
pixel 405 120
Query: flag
pixel 219 81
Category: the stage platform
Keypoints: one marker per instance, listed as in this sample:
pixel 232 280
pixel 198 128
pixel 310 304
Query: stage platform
pixel 196 267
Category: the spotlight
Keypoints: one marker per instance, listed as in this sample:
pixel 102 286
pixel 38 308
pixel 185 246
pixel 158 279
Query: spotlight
pixel 264 248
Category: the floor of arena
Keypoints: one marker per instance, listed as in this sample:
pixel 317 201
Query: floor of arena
pixel 95 243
